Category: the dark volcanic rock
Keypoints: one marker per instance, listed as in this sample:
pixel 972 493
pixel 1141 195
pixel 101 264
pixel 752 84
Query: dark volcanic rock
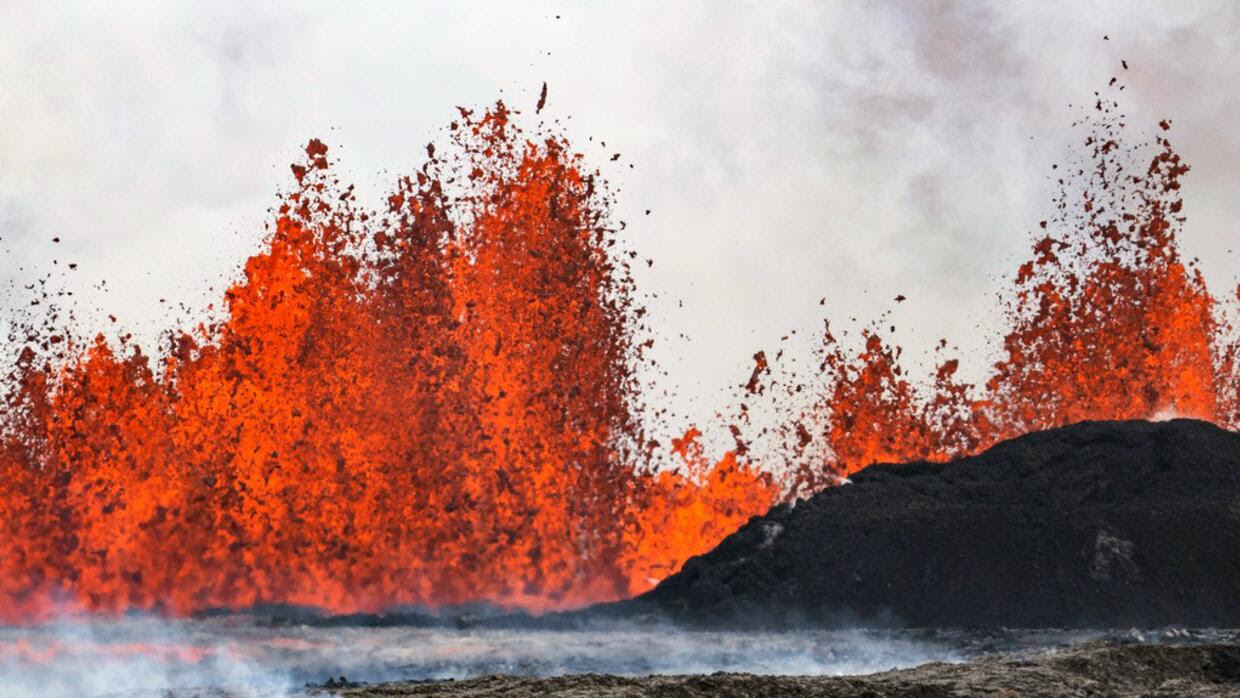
pixel 1099 524
pixel 1104 670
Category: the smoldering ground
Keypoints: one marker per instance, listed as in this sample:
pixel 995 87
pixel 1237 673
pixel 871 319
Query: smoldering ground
pixel 249 656
pixel 256 656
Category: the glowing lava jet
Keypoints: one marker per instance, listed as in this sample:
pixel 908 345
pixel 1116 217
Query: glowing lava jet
pixel 436 403
pixel 428 405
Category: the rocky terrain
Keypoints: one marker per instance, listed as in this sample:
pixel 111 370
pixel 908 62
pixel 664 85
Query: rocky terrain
pixel 1098 524
pixel 1100 669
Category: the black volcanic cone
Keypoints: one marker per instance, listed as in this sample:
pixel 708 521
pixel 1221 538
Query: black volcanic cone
pixel 1099 524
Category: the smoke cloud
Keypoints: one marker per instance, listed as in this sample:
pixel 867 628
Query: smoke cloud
pixel 787 151
pixel 234 656
pixel 139 656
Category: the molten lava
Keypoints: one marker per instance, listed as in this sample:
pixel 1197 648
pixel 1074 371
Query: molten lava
pixel 437 403
pixel 1107 321
pixel 430 405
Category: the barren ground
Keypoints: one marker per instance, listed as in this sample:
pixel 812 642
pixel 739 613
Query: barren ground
pixel 1098 669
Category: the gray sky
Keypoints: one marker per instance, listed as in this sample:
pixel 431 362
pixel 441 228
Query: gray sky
pixel 789 151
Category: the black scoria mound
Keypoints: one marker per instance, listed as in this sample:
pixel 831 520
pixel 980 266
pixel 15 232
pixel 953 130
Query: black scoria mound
pixel 1099 524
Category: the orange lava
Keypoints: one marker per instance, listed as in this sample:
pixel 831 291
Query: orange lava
pixel 1107 321
pixel 429 405
pixel 436 403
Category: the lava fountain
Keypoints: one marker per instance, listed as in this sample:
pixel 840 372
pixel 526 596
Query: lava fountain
pixel 436 402
pixel 1106 320
pixel 430 404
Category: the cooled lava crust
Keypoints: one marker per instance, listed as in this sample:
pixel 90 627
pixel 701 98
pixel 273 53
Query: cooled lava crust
pixel 1098 524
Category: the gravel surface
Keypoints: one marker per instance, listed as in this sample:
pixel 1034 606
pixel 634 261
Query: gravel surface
pixel 1095 670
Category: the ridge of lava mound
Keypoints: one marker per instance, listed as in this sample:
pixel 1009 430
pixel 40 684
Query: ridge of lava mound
pixel 1092 525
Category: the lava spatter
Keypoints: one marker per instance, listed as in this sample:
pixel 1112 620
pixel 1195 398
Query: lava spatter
pixel 429 404
pixel 436 402
pixel 1106 321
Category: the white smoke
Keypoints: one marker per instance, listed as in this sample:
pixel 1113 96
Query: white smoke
pixel 139 657
pixel 788 150
pixel 136 656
